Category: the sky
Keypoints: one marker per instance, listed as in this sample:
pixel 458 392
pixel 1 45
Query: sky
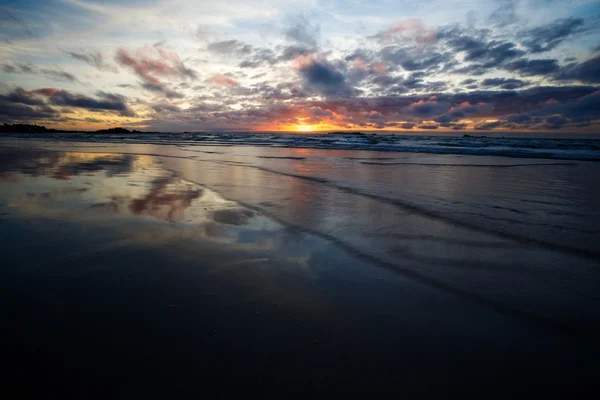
pixel 301 65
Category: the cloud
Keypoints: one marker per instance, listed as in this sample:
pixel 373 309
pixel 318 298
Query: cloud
pixel 163 88
pixel 223 80
pixel 94 58
pixel 519 118
pixel 291 52
pixel 166 108
pixel 302 30
pixel 488 53
pixel 59 97
pixel 555 113
pixel 259 57
pixel 428 126
pixel 587 71
pixel 52 73
pixel 320 76
pixel 20 95
pixel 412 29
pixel 485 126
pixel 150 63
pixel 425 108
pixel 410 60
pixel 583 109
pixel 526 108
pixel 10 21
pixel 106 102
pixel 547 37
pixel 465 109
pixel 10 111
pixel 227 47
pixel 533 67
pixel 556 121
pixel 505 14
pixel 504 83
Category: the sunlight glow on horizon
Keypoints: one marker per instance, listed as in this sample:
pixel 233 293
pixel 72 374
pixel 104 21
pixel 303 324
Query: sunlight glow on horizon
pixel 304 128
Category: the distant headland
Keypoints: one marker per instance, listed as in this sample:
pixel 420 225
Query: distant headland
pixel 29 128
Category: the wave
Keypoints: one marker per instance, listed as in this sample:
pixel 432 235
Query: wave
pixel 561 149
pixel 466 165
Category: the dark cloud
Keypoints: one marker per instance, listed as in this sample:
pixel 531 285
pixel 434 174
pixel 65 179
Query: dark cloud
pixel 428 126
pixel 546 38
pixel 426 108
pixel 519 118
pixel 389 81
pixel 303 30
pixel 106 102
pixel 163 88
pixel 57 97
pixel 582 109
pixel 10 111
pixel 554 114
pixel 488 54
pixel 20 95
pixel 533 67
pixel 464 110
pixel 587 71
pixel 504 83
pixel 322 77
pixel 556 121
pixel 410 60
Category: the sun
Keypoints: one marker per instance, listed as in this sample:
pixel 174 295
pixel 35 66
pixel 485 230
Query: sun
pixel 304 128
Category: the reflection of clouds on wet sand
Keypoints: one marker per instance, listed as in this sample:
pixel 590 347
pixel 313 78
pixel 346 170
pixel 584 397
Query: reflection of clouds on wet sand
pixel 63 166
pixel 168 199
pixel 140 195
pixel 144 206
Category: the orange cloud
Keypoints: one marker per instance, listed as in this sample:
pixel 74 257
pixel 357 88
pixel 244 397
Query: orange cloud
pixel 149 61
pixel 411 28
pixel 223 80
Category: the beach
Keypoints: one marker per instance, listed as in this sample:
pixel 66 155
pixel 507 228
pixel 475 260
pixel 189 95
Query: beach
pixel 333 267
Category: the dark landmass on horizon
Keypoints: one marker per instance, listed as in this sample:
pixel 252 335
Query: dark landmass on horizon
pixel 31 128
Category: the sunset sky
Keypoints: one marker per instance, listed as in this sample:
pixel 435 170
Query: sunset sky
pixel 303 65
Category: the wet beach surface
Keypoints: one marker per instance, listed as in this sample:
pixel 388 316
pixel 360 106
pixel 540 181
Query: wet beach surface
pixel 193 269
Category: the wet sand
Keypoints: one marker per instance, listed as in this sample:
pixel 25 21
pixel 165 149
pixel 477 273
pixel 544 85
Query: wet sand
pixel 187 270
